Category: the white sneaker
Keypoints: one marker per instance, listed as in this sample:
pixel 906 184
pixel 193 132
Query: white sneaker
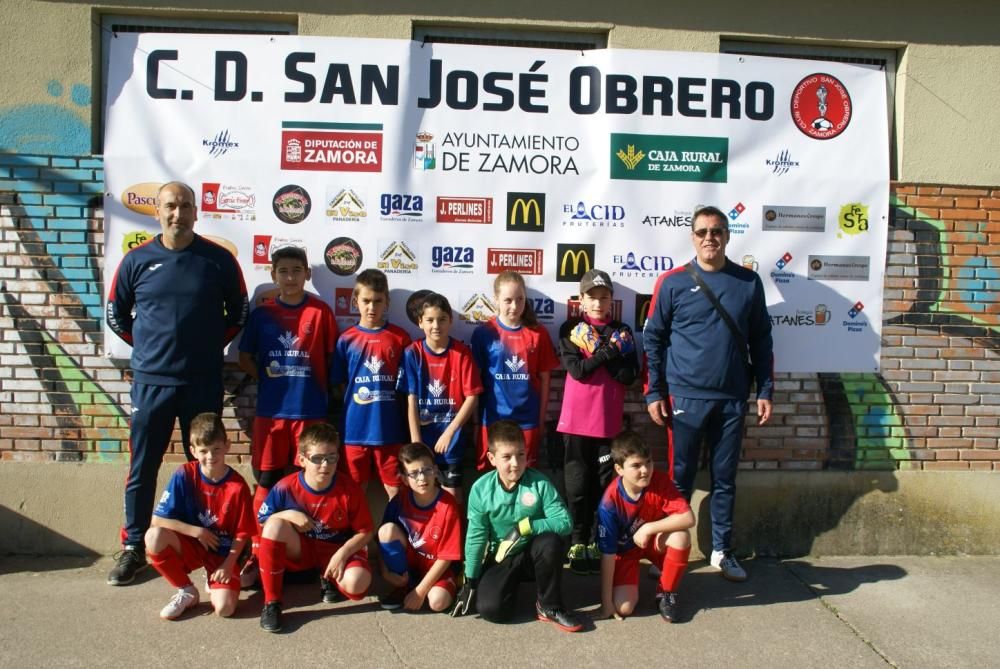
pixel 731 569
pixel 182 600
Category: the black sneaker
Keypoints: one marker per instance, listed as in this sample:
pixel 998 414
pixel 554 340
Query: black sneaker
pixel 393 599
pixel 128 562
pixel 579 561
pixel 567 621
pixel 270 617
pixel 668 605
pixel 329 592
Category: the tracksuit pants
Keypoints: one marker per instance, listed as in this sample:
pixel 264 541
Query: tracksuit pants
pixel 542 560
pixel 587 471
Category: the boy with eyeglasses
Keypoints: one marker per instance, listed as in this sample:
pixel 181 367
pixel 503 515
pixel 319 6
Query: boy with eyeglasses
pixel 314 518
pixel 420 538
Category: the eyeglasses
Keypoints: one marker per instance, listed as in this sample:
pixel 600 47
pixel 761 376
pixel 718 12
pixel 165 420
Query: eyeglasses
pixel 329 458
pixel 713 232
pixel 424 471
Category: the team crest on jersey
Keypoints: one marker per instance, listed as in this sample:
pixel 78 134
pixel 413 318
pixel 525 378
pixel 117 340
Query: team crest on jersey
pixel 374 364
pixel 528 498
pixel 436 388
pixel 288 340
pixel 207 518
pixel 515 363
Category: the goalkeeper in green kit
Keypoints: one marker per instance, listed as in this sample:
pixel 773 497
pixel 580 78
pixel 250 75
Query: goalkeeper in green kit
pixel 517 525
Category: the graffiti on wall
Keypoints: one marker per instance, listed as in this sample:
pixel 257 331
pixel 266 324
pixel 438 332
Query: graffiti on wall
pixel 54 128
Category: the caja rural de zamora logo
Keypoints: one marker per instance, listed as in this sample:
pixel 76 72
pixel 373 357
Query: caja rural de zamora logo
pixel 669 157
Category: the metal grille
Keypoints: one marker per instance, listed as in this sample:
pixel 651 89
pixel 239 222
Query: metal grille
pixel 496 41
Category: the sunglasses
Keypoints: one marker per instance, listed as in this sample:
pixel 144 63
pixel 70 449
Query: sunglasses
pixel 711 232
pixel 329 458
pixel 426 472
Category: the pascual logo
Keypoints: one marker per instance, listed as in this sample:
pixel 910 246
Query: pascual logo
pixel 526 212
pixel 401 207
pixel 331 147
pixel 452 259
pixel 584 215
pixel 343 256
pixel 423 152
pixel 679 219
pixel 669 157
pixel 345 205
pixel 465 210
pixel 573 261
pixel 220 144
pixel 856 324
pixel 525 261
pixel 781 263
pixel 225 201
pixel 632 265
pixel 793 219
pixel 853 219
pixel 508 153
pixel 782 163
pixel 477 309
pixel 821 106
pixel 133 239
pixel 141 198
pixel 574 310
pixel 396 257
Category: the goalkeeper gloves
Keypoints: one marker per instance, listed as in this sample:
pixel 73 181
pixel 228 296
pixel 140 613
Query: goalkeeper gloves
pixel 585 337
pixel 464 599
pixel 514 539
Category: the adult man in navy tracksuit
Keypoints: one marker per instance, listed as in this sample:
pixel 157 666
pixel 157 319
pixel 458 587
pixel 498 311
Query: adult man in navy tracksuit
pixel 699 379
pixel 189 301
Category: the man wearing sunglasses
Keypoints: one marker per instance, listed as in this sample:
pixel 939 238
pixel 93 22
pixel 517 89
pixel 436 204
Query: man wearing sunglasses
pixel 701 369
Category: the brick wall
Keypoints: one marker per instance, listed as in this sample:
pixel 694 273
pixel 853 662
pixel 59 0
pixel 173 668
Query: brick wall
pixel 936 404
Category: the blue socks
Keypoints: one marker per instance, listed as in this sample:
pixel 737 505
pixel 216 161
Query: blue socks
pixel 393 556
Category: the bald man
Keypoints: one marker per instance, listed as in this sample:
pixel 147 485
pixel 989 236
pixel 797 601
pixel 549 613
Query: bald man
pixel 177 300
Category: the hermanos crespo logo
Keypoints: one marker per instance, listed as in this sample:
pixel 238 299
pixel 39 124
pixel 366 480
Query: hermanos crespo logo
pixel 669 157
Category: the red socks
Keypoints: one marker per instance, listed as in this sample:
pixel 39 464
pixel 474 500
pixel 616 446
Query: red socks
pixel 272 568
pixel 674 564
pixel 170 565
pixel 259 495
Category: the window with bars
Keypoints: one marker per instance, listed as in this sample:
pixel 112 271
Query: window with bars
pixel 568 41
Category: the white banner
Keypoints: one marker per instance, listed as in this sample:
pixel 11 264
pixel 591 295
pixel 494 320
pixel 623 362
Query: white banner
pixel 444 164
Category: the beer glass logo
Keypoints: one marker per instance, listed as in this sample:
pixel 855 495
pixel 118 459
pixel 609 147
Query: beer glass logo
pixel 822 314
pixel 750 262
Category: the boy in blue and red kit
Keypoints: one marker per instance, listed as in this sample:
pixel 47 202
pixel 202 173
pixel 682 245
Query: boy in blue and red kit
pixel 366 362
pixel 420 538
pixel 599 355
pixel 442 382
pixel 203 519
pixel 642 515
pixel 287 347
pixel 315 518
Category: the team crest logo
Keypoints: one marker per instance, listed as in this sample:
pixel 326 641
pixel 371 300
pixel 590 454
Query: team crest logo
pixel 436 388
pixel 288 340
pixel 515 363
pixel 821 106
pixel 528 498
pixel 374 364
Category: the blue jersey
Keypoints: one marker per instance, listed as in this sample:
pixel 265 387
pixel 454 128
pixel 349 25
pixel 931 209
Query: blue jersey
pixel 510 361
pixel 188 305
pixel 293 346
pixel 441 382
pixel 224 507
pixel 368 363
pixel 619 516
pixel 338 512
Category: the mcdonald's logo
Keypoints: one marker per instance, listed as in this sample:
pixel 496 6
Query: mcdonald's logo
pixel 574 260
pixel 642 304
pixel 526 212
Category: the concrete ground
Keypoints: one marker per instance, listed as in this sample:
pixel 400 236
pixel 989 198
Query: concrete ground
pixel 817 612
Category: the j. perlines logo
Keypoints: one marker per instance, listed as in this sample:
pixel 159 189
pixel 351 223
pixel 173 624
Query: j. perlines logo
pixel 573 261
pixel 669 157
pixel 465 210
pixel 525 261
pixel 220 144
pixel 526 212
pixel 331 147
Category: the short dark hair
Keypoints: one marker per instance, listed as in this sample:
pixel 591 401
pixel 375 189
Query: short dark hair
pixel 714 212
pixel 374 280
pixel 207 428
pixel 290 253
pixel 432 301
pixel 504 431
pixel 626 445
pixel 412 452
pixel 319 433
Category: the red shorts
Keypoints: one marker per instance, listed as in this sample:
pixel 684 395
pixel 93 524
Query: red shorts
pixel 276 441
pixel 359 461
pixel 316 554
pixel 418 566
pixel 532 439
pixel 195 556
pixel 627 565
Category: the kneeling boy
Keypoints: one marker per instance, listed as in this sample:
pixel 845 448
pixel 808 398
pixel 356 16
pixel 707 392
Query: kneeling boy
pixel 314 519
pixel 420 537
pixel 642 515
pixel 204 519
pixel 517 525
